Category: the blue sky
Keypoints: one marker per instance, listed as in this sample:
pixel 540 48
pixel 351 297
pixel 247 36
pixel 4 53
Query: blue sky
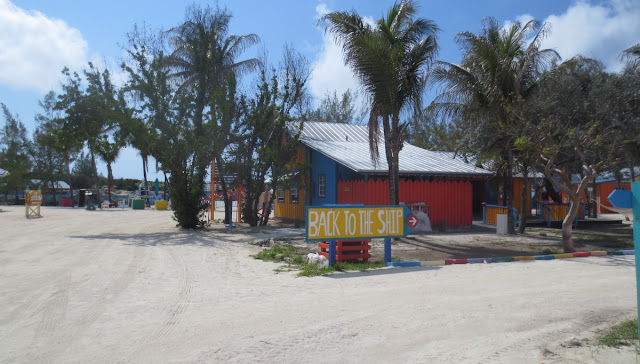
pixel 39 37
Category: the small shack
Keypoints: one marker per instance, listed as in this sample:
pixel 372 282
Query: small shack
pixel 341 171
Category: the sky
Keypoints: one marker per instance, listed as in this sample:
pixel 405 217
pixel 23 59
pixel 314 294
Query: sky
pixel 40 37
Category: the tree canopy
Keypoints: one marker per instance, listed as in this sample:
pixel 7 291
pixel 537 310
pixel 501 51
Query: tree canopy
pixel 488 91
pixel 390 59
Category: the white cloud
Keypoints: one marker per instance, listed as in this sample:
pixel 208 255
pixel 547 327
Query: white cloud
pixel 329 71
pixel 596 31
pixel 523 19
pixel 34 48
pixel 322 9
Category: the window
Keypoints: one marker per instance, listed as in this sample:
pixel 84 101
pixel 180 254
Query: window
pixel 322 185
pixel 280 195
pixel 294 194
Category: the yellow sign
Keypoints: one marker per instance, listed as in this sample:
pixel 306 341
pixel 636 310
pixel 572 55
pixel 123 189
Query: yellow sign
pixel 32 202
pixel 325 223
pixel 33 198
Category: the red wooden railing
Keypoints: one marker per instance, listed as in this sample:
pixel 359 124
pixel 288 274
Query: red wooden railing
pixel 448 201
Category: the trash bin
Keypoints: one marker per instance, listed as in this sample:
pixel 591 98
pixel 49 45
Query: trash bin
pixel 161 205
pixel 81 198
pixel 137 204
pixel 501 224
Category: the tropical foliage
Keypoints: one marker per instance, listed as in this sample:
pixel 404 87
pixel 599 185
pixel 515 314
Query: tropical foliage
pixel 488 91
pixel 15 156
pixel 390 58
pixel 568 130
pixel 269 135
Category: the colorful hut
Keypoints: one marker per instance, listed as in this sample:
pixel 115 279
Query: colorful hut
pixel 341 171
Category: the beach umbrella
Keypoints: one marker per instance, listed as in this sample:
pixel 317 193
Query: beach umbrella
pixel 157 186
pixel 3 173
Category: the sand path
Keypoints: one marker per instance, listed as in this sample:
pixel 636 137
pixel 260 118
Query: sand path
pixel 121 286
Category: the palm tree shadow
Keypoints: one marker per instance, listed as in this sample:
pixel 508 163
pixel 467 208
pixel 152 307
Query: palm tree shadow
pixel 194 238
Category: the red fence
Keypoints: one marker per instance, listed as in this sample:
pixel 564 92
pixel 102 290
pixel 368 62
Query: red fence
pixel 448 201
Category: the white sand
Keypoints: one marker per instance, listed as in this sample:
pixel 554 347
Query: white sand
pixel 120 286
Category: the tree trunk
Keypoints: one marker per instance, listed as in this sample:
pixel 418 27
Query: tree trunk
pixel 551 192
pixel 595 199
pixel 392 149
pixel 396 174
pixel 567 225
pixel 95 177
pixel 109 180
pixel 251 207
pixel 508 193
pixel 55 192
pixel 267 211
pixel 525 208
pixel 265 206
pixel 228 207
pixel 574 197
pixel 164 188
pixel 68 162
pixel 53 177
pixel 144 173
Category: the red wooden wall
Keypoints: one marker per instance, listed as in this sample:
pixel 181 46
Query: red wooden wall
pixel 603 192
pixel 448 201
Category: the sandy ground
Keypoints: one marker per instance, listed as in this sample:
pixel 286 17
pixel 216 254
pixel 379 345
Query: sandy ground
pixel 121 286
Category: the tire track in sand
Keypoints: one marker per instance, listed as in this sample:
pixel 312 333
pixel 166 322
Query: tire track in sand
pixel 60 340
pixel 40 301
pixel 55 311
pixel 171 314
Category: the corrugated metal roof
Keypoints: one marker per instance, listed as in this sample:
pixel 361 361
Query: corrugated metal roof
pixel 610 177
pixel 334 132
pixel 349 145
pixel 58 184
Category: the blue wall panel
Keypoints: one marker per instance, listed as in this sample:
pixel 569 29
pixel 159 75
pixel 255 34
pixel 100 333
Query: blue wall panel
pixel 321 164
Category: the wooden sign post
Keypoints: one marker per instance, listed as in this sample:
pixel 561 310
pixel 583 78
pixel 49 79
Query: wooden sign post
pixel 350 222
pixel 32 202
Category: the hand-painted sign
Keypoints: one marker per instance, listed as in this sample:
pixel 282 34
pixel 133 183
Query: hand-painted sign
pixel 32 202
pixel 349 222
pixel 412 221
pixel 620 199
pixel 33 198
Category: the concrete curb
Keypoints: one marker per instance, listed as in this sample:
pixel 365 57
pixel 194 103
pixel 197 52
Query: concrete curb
pixel 435 263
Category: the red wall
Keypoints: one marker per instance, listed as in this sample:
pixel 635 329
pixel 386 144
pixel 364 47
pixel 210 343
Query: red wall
pixel 448 201
pixel 604 190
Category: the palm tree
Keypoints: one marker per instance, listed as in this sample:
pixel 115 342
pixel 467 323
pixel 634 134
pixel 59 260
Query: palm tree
pixel 108 152
pixel 390 59
pixel 632 54
pixel 204 62
pixel 137 133
pixel 499 70
pixel 204 54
